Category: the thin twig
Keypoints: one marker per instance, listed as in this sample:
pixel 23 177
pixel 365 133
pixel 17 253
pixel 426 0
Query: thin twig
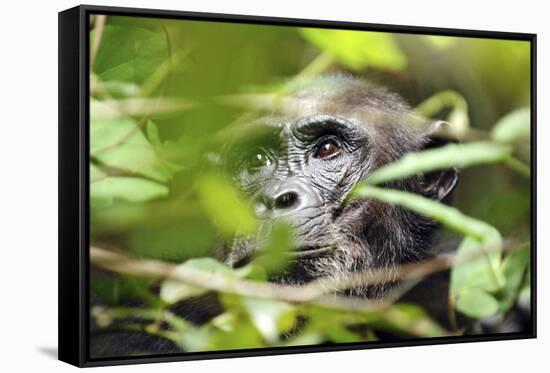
pixel 317 66
pixel 99 26
pixel 320 291
pixel 518 166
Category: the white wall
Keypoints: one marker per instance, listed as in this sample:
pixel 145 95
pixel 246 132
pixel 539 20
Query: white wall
pixel 28 184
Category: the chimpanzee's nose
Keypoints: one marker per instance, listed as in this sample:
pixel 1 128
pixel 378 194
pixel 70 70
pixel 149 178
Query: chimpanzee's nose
pixel 282 198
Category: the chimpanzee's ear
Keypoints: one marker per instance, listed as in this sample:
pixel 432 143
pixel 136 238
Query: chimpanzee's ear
pixel 439 185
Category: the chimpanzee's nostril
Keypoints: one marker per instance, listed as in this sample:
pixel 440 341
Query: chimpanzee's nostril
pixel 286 200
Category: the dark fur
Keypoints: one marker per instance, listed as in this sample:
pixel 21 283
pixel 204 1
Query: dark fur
pixel 367 233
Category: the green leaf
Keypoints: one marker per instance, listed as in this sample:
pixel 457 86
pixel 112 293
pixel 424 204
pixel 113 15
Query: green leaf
pixel 176 240
pixel 153 134
pixel 129 53
pixel 513 126
pixel 441 42
pixel 332 324
pixel 252 272
pixel 120 143
pixel 410 319
pixel 136 159
pixel 482 273
pixel 446 215
pixel 226 322
pixel 513 268
pixel 452 155
pixel 243 335
pixel 194 339
pixel 224 205
pixel 273 256
pixel 525 294
pixel 358 49
pixel 105 133
pixel 340 334
pixel 114 88
pixel 132 189
pixel 458 117
pixel 271 318
pixel 115 290
pixel 172 291
pixel 476 303
pixel 306 338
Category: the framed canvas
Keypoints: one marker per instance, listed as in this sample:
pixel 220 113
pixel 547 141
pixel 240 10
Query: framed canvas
pixel 233 186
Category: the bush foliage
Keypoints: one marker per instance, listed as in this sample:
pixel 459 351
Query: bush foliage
pixel 160 94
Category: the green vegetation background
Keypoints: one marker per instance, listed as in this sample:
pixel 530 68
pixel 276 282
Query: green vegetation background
pixel 159 105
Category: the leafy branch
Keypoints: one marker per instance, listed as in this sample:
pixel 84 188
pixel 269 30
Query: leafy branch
pixel 320 291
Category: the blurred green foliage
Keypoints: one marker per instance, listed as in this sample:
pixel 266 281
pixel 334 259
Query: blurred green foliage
pixel 358 50
pixel 158 121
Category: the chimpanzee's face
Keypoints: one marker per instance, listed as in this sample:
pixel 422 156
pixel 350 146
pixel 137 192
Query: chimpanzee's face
pixel 300 171
pixel 300 167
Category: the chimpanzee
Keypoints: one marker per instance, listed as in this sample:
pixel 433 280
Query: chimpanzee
pixel 305 157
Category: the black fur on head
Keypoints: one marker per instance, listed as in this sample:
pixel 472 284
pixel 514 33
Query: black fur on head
pixel 309 151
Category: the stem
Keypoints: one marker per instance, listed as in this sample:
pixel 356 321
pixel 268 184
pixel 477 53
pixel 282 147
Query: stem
pixel 517 291
pixel 518 166
pixel 156 315
pixel 320 64
pixel 315 292
pixel 99 27
pixel 452 314
pixel 149 329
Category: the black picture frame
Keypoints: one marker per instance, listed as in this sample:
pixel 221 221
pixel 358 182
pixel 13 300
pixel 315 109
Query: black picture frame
pixel 73 75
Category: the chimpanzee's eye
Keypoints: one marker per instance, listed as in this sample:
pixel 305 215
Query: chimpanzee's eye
pixel 258 160
pixel 327 149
